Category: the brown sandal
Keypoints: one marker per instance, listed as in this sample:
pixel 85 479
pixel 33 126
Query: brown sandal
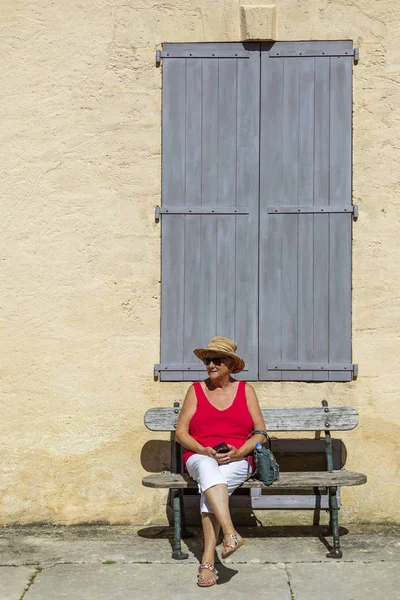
pixel 228 548
pixel 201 582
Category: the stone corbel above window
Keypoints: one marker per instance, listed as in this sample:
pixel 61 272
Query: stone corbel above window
pixel 257 21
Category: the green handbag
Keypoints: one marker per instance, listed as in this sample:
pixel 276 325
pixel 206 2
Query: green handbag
pixel 266 467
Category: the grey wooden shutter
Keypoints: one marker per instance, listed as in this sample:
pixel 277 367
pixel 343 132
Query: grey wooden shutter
pixel 210 169
pixel 305 211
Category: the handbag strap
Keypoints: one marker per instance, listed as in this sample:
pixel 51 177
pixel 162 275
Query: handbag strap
pixel 262 432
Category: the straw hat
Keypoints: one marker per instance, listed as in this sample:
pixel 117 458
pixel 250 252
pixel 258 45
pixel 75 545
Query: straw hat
pixel 222 346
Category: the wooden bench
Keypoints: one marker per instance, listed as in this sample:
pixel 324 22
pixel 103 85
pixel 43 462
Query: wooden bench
pixel 327 419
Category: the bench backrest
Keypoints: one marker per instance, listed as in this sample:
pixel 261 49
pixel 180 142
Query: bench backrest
pixel 336 418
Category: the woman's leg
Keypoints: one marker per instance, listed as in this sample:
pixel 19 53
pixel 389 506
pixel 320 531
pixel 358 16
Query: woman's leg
pixel 205 471
pixel 217 498
pixel 211 530
pixel 216 483
pixel 214 488
pixel 235 474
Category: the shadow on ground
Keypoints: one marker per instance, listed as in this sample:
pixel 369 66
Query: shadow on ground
pixel 193 538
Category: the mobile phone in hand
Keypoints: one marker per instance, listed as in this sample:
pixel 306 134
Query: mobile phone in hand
pixel 221 448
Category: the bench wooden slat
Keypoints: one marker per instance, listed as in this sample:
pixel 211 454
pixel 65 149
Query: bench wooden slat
pixel 320 479
pixel 338 418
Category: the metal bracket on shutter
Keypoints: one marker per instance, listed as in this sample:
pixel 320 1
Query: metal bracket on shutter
pixel 313 367
pixel 200 54
pixel 314 53
pixel 354 54
pixel 175 367
pixel 313 209
pixel 200 210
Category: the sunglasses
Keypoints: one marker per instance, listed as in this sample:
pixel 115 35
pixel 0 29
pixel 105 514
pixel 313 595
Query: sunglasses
pixel 216 360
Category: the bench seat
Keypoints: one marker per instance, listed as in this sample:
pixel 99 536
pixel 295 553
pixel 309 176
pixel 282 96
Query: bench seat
pixel 319 479
pixel 312 419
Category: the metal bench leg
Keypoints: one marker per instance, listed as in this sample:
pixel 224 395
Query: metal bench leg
pixel 329 530
pixel 177 552
pixel 334 524
pixel 185 533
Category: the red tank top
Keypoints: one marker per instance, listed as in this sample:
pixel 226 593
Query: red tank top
pixel 210 426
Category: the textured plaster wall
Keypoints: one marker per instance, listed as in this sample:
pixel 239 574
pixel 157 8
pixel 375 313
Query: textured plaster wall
pixel 80 252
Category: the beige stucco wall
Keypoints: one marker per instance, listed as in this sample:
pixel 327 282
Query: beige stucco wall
pixel 80 252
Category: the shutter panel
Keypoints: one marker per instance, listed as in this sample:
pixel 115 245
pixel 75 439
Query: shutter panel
pixel 305 247
pixel 210 161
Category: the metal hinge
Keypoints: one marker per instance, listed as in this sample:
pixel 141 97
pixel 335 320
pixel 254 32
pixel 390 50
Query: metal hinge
pixel 316 54
pixel 314 367
pixel 352 209
pixel 187 53
pixel 200 210
pixel 312 54
pixel 173 368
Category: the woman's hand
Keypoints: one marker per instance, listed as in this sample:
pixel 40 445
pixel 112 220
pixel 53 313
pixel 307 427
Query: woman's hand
pixel 222 458
pixel 208 451
pixel 227 457
pixel 234 453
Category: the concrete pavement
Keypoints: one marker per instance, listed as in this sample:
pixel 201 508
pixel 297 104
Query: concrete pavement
pixel 125 562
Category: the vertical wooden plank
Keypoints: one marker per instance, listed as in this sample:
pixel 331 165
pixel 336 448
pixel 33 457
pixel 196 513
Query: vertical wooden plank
pixel 248 133
pixel 227 196
pixel 207 313
pixel 340 224
pixel 290 185
pixel 271 194
pixel 305 241
pixel 193 242
pixel 321 222
pixel 173 194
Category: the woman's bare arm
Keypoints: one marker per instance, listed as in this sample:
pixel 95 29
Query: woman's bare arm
pixel 182 427
pixel 258 423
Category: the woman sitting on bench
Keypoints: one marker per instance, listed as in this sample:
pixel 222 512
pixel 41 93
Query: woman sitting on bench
pixel 217 417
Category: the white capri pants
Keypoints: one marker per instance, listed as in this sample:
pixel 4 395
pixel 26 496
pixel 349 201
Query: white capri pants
pixel 207 472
